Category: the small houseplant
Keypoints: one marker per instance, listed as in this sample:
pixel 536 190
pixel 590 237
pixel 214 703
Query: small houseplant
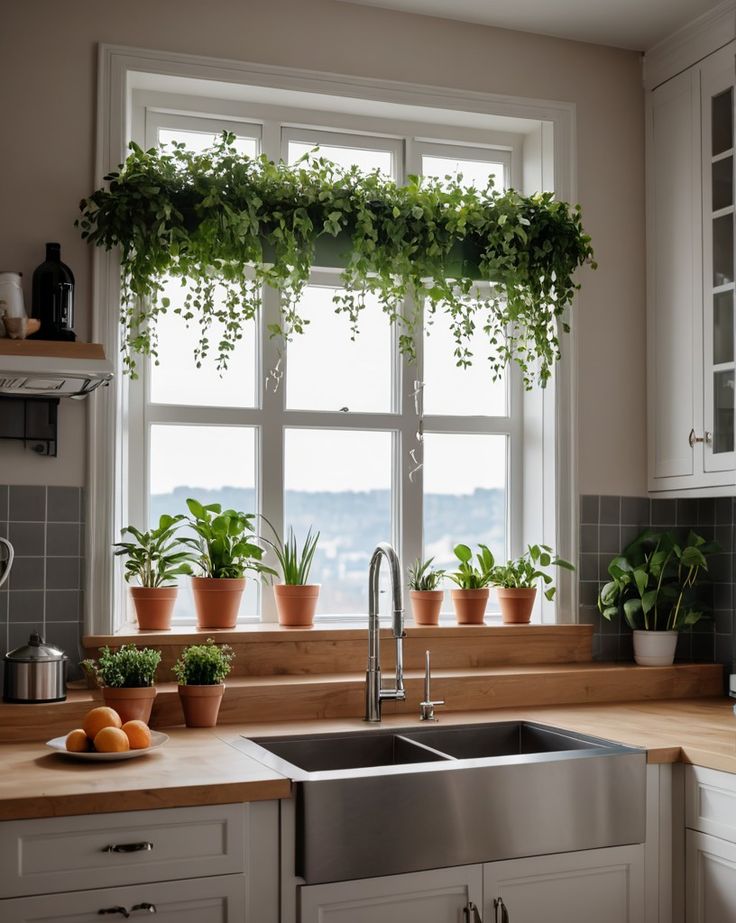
pixel 516 582
pixel 654 585
pixel 296 598
pixel 471 596
pixel 126 677
pixel 426 597
pixel 155 559
pixel 200 671
pixel 224 548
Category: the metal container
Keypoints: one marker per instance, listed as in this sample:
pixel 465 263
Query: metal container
pixel 35 672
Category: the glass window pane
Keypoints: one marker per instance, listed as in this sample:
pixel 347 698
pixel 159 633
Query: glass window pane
pixel 326 370
pixel 452 389
pixel 198 141
pixel 723 250
pixel 722 183
pixel 177 380
pixel 722 121
pixel 366 159
pixel 339 482
pixel 464 495
pixel 723 420
pixel 474 172
pixel 213 464
pixel 723 327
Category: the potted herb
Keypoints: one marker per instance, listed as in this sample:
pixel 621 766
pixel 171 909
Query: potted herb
pixel 426 598
pixel 516 582
pixel 224 548
pixel 155 560
pixel 296 598
pixel 200 671
pixel 127 678
pixel 654 586
pixel 471 597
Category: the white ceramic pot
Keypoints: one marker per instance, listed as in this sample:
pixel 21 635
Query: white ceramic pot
pixel 655 648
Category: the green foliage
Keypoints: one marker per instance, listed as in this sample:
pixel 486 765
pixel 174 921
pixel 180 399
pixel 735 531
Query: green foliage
pixel 295 565
pixel 468 577
pixel 423 577
pixel 203 664
pixel 528 568
pixel 225 224
pixel 127 667
pixel 224 543
pixel 155 558
pixel 654 582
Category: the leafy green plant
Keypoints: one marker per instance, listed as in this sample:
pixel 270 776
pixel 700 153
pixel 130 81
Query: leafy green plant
pixel 155 558
pixel 225 224
pixel 203 664
pixel 224 542
pixel 128 667
pixel 654 582
pixel 295 564
pixel 423 577
pixel 529 568
pixel 469 577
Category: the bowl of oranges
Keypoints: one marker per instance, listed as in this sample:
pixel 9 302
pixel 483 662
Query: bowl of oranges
pixel 103 736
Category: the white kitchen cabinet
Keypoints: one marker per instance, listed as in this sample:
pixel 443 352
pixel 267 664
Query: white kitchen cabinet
pixel 710 879
pixel 438 896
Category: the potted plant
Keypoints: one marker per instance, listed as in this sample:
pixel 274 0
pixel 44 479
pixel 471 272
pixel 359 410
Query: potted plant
pixel 224 548
pixel 654 585
pixel 516 580
pixel 200 671
pixel 155 560
pixel 127 678
pixel 296 598
pixel 426 598
pixel 471 597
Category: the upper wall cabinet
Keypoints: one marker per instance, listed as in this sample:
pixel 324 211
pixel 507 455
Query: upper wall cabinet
pixel 690 278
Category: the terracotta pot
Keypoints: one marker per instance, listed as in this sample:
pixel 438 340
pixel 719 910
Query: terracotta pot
pixel 201 704
pixel 426 605
pixel 296 604
pixel 470 605
pixel 130 702
pixel 154 606
pixel 516 604
pixel 655 648
pixel 217 600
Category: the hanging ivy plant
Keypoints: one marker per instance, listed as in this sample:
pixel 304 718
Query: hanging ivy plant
pixel 225 225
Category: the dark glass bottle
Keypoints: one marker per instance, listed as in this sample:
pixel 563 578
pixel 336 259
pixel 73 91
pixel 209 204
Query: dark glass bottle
pixel 52 299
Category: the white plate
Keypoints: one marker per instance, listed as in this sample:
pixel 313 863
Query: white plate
pixel 59 744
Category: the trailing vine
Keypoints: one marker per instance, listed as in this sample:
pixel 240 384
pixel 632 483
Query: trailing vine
pixel 225 225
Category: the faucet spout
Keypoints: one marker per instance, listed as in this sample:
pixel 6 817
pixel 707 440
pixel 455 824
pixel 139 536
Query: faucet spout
pixel 374 694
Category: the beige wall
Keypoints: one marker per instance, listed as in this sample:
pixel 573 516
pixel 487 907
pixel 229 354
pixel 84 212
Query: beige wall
pixel 47 87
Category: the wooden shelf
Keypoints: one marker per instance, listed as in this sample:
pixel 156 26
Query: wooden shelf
pixel 50 349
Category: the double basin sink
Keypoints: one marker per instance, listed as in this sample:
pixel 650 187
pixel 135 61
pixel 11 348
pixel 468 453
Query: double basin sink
pixel 391 801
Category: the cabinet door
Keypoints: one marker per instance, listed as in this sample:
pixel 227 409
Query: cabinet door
pixel 710 879
pixel 199 900
pixel 605 885
pixel 717 106
pixel 439 896
pixel 674 289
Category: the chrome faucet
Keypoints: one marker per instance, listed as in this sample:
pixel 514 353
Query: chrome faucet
pixel 374 695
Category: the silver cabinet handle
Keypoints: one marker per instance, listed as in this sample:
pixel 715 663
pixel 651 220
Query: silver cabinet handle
pixel 470 913
pixel 693 439
pixel 145 907
pixel 121 910
pixel 128 847
pixel 498 905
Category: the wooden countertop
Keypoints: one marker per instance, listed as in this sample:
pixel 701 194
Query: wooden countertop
pixel 206 766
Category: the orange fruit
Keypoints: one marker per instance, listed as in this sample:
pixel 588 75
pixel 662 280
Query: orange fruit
pixel 111 740
pixel 99 718
pixel 138 734
pixel 77 741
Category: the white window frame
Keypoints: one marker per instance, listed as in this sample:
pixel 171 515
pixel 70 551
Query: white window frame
pixel 548 467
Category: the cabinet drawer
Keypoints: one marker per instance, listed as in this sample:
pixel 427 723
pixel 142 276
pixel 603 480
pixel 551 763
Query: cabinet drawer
pixel 106 850
pixel 202 900
pixel 710 802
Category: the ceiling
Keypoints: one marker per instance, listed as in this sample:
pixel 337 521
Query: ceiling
pixel 634 24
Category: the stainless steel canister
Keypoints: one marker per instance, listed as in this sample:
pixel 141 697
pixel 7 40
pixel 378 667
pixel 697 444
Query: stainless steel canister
pixel 35 672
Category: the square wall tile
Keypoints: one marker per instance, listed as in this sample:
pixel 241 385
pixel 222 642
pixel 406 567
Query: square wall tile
pixel 28 538
pixel 64 504
pixel 27 504
pixel 3 502
pixel 62 539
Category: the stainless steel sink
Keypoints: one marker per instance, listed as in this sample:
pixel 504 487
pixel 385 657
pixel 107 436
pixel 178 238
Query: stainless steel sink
pixel 391 801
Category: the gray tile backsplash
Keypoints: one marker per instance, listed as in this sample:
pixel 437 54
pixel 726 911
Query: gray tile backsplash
pixel 44 590
pixel 608 524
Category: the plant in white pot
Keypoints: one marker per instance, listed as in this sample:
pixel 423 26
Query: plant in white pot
pixel 154 559
pixel 471 596
pixel 655 585
pixel 516 582
pixel 296 598
pixel 426 597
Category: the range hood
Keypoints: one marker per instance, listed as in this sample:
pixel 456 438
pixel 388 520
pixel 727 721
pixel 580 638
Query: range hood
pixel 50 369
